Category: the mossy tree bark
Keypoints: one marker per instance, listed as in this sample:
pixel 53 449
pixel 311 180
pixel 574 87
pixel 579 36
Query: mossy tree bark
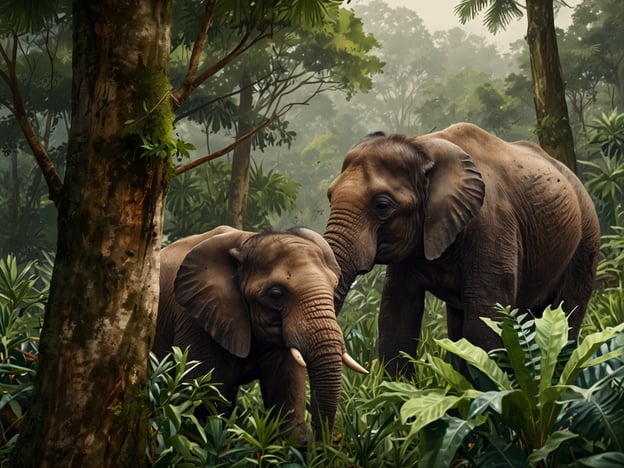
pixel 100 317
pixel 553 123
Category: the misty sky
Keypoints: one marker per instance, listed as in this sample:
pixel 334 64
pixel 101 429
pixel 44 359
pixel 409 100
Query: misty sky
pixel 438 15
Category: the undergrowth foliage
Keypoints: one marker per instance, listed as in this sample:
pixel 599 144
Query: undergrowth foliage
pixel 523 406
pixel 23 292
pixel 536 402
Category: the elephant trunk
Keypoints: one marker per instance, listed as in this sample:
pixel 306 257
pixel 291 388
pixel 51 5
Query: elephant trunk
pixel 350 266
pixel 324 373
pixel 319 339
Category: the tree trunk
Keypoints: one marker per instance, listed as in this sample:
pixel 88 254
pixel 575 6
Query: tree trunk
pixel 553 123
pixel 239 181
pixel 89 405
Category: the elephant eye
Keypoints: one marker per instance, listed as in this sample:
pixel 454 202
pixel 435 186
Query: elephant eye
pixel 276 296
pixel 383 205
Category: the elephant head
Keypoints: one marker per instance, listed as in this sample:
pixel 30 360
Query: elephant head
pixel 274 288
pixel 398 198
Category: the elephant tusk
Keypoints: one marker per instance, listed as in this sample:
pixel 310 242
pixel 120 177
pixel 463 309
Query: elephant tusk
pixel 298 357
pixel 353 364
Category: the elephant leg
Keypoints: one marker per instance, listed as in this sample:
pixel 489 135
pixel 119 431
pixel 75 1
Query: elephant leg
pixel 201 347
pixel 577 284
pixel 400 320
pixel 283 387
pixel 454 322
pixel 491 277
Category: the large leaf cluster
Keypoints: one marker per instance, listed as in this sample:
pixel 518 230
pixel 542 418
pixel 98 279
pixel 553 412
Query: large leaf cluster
pixel 527 408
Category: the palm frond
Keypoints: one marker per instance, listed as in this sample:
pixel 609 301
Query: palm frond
pixel 498 13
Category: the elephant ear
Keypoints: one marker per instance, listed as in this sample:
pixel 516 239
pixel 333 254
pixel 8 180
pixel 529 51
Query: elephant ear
pixel 328 253
pixel 455 193
pixel 207 287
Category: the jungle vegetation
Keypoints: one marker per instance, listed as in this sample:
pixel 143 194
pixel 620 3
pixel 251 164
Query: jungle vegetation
pixel 267 87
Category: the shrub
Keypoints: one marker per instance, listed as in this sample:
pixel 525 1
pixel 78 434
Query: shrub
pixel 23 293
pixel 528 401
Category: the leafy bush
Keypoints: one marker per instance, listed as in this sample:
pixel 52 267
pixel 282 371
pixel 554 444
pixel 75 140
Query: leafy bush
pixel 23 292
pixel 606 307
pixel 178 437
pixel 605 182
pixel 529 402
pixel 604 173
pixel 607 132
pixel 176 433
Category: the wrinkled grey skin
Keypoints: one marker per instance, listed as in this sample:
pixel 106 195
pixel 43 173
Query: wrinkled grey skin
pixel 240 300
pixel 471 218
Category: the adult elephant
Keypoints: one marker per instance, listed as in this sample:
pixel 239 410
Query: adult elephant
pixel 469 217
pixel 257 306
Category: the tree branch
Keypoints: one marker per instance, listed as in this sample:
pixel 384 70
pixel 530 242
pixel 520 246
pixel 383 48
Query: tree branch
pixel 212 101
pixel 182 93
pixel 19 111
pixel 198 48
pixel 209 157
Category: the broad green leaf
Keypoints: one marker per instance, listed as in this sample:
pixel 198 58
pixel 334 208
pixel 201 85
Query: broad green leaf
pixel 441 441
pixel 390 392
pixel 584 351
pixel 427 408
pixel 494 400
pixel 552 443
pixel 478 358
pixel 551 336
pixel 452 377
pixel 514 409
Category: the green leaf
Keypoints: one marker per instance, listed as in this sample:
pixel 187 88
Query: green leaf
pixel 494 325
pixel 25 16
pixel 552 443
pixel 604 358
pixel 441 440
pixel 493 400
pixel 584 351
pixel 551 335
pixel 430 406
pixel 446 371
pixel 478 358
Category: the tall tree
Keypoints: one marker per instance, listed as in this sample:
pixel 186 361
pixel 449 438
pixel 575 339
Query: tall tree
pixel 241 158
pixel 553 124
pixel 89 403
pixel 94 345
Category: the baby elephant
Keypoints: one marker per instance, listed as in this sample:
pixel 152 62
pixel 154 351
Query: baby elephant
pixel 257 306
